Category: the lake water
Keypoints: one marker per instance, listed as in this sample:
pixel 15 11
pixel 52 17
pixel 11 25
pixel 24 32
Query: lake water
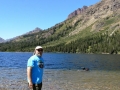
pixel 63 61
pixel 13 64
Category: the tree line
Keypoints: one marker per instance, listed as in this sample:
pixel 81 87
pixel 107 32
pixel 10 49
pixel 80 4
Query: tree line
pixel 97 43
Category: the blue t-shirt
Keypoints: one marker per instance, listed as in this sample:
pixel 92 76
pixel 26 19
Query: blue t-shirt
pixel 37 70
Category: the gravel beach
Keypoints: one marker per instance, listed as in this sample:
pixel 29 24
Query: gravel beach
pixel 56 79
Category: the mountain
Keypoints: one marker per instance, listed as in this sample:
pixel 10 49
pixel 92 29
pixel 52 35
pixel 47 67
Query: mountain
pixel 36 30
pixel 1 40
pixel 17 38
pixel 77 12
pixel 93 29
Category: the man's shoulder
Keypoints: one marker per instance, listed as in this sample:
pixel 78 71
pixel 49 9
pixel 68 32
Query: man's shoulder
pixel 32 57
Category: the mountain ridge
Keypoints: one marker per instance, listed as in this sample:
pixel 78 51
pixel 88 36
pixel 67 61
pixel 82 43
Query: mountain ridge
pixel 36 30
pixel 77 12
pixel 2 40
pixel 99 24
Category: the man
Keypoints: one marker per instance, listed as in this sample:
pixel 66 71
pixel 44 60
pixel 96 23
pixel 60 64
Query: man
pixel 35 66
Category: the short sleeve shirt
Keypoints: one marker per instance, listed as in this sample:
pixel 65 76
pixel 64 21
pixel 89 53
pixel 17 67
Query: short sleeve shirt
pixel 37 71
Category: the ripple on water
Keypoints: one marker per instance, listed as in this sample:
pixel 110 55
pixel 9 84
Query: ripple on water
pixel 54 79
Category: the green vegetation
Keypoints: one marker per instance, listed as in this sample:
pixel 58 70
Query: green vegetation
pixel 97 43
pixel 105 38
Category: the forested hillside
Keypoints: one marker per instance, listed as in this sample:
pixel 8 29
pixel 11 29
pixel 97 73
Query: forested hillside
pixel 96 30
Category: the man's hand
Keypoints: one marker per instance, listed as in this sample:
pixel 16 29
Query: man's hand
pixel 30 85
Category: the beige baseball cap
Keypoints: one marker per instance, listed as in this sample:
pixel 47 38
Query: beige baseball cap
pixel 38 47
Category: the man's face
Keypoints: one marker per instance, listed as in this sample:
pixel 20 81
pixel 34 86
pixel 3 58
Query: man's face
pixel 39 52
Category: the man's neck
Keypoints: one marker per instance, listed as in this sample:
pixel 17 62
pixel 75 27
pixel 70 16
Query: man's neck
pixel 38 55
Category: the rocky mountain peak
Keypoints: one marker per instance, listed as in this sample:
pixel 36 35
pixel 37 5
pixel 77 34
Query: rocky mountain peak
pixel 1 40
pixel 101 11
pixel 78 11
pixel 36 30
pixel 102 6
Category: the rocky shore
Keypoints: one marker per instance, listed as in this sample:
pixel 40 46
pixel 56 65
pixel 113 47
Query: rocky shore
pixel 63 80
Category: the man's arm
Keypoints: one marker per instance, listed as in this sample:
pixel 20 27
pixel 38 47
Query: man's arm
pixel 29 69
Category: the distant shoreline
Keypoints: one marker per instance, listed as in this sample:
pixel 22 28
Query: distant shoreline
pixel 62 52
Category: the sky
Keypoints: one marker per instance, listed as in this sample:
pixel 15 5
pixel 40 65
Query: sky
pixel 18 17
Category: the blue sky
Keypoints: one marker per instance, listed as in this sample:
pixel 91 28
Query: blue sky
pixel 20 16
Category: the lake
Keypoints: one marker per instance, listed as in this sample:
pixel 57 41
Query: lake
pixel 13 64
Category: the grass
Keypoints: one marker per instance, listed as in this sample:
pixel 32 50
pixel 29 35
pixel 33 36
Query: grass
pixel 68 39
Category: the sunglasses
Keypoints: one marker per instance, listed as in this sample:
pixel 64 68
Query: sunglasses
pixel 40 49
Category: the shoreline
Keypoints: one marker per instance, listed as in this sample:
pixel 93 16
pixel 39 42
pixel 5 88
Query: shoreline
pixel 61 52
pixel 58 79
